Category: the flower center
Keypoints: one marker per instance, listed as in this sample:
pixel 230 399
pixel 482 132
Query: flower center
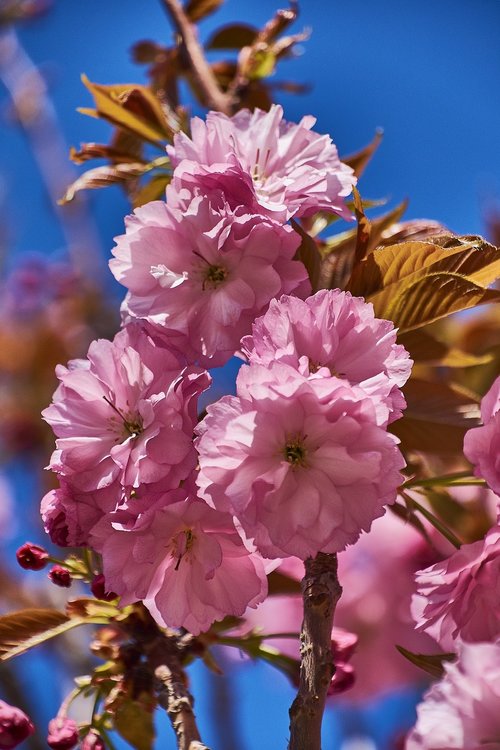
pixel 295 451
pixel 314 366
pixel 132 425
pixel 181 545
pixel 214 276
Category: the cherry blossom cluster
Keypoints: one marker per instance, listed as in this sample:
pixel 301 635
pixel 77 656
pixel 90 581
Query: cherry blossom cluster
pixel 300 460
pixel 457 604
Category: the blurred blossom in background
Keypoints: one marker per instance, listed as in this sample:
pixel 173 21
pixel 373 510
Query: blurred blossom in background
pixel 428 74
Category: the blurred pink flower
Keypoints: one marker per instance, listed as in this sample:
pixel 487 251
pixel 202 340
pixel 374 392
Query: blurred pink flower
pixel 333 333
pixel 459 597
pixel 272 166
pixel 15 726
pixel 69 515
pixel 205 271
pixel 376 574
pixel 482 444
pixel 461 712
pixel 185 561
pixel 300 462
pixel 125 414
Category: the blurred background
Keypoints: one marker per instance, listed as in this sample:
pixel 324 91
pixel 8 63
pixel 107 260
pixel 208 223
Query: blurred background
pixel 428 73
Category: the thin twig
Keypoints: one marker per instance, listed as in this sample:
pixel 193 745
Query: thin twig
pixel 321 592
pixel 173 695
pixel 215 98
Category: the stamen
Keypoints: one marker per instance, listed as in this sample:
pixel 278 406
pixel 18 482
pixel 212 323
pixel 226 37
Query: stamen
pixel 133 426
pixel 214 276
pixel 295 451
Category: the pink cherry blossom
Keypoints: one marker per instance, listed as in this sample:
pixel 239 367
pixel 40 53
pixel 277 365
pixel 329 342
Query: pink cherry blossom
pixel 185 561
pixel 285 168
pixel 333 333
pixel 205 271
pixel 68 515
pixel 125 414
pixel 482 444
pixel 461 711
pixel 458 597
pixel 302 463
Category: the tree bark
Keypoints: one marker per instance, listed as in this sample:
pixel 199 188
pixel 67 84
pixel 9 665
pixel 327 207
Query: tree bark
pixel 321 592
pixel 215 98
pixel 173 694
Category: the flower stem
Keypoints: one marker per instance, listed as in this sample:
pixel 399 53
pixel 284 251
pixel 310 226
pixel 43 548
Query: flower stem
pixel 173 695
pixel 214 97
pixel 460 478
pixel 321 592
pixel 438 525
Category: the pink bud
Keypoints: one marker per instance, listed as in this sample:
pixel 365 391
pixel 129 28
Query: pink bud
pixel 15 726
pixel 32 557
pixel 60 576
pixel 98 588
pixel 92 741
pixel 342 680
pixel 63 733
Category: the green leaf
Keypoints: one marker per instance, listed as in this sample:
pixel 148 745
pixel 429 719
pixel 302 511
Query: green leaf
pixel 430 663
pixel 232 36
pixel 20 631
pixel 262 64
pixel 198 9
pixel 135 724
pixel 452 512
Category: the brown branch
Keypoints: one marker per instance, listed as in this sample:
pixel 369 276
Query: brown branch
pixel 321 592
pixel 173 694
pixel 215 98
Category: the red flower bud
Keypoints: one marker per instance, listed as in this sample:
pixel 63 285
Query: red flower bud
pixel 32 557
pixel 15 726
pixel 98 588
pixel 63 733
pixel 60 576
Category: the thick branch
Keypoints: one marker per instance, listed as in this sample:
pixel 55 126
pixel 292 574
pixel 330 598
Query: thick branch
pixel 321 592
pixel 173 694
pixel 215 98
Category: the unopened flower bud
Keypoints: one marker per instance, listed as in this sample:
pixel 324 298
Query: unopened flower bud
pixel 98 588
pixel 63 733
pixel 343 679
pixel 92 741
pixel 15 726
pixel 60 576
pixel 32 557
